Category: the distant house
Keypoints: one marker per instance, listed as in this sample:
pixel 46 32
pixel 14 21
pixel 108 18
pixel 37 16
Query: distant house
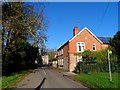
pixel 54 62
pixel 45 59
pixel 81 41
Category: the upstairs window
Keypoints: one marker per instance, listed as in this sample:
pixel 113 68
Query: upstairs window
pixel 62 51
pixel 80 46
pixel 94 47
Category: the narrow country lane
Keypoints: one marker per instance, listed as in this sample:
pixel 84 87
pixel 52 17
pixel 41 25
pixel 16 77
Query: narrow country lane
pixel 46 77
pixel 56 79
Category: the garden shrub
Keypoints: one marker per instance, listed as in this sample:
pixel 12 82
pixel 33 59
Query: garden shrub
pixel 97 61
pixel 86 68
pixel 78 67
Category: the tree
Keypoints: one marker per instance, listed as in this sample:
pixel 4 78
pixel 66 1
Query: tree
pixel 52 53
pixel 115 43
pixel 31 24
pixel 21 25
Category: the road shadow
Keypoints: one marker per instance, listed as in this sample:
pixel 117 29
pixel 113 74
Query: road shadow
pixel 38 88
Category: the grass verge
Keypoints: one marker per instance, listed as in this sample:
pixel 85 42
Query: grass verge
pixel 99 80
pixel 11 80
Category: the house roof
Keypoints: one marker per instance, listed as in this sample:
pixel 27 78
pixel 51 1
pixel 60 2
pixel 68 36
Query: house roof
pixel 102 40
pixel 63 44
pixel 105 40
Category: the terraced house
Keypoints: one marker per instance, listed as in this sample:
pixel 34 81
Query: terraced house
pixel 82 40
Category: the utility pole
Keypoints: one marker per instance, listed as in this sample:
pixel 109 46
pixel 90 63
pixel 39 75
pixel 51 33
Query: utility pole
pixel 109 52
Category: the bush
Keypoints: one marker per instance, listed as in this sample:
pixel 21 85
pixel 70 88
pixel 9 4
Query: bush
pixel 86 68
pixel 82 67
pixel 97 61
pixel 78 67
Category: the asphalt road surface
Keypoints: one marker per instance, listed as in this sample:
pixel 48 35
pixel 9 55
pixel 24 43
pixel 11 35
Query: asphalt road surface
pixel 55 79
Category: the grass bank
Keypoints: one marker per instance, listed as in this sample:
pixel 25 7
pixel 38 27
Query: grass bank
pixel 99 80
pixel 11 80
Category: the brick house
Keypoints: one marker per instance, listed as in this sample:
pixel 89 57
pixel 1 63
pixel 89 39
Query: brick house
pixel 81 41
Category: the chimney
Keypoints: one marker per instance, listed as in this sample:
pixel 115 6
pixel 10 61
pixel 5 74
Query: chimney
pixel 75 31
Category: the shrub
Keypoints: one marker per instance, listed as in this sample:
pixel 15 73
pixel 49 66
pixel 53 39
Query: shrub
pixel 78 67
pixel 97 61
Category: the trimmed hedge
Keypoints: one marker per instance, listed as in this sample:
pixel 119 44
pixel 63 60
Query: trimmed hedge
pixel 82 67
pixel 97 61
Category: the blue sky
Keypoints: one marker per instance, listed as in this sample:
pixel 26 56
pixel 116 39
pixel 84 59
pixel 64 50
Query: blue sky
pixel 63 17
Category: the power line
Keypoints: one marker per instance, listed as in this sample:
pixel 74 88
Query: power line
pixel 103 16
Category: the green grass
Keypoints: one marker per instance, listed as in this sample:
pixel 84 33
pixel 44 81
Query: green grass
pixel 99 80
pixel 9 81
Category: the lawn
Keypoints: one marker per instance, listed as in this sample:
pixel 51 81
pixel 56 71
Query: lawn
pixel 99 80
pixel 9 81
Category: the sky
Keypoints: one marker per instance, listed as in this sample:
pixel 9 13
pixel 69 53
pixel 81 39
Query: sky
pixel 100 17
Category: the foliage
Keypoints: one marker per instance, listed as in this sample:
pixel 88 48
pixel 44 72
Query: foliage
pixel 115 45
pixel 39 58
pixel 88 57
pixel 19 58
pixel 22 32
pixel 21 19
pixel 82 67
pixel 52 53
pixel 96 61
pixel 9 81
pixel 99 80
pixel 78 68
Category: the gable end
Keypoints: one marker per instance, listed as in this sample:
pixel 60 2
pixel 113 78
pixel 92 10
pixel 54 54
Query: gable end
pixel 89 32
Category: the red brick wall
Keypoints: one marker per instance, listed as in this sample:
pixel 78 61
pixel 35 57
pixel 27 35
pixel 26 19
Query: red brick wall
pixel 104 46
pixel 63 56
pixel 88 39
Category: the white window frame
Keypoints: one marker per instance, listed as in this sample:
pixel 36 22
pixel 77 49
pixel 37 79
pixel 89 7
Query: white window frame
pixel 81 44
pixel 94 46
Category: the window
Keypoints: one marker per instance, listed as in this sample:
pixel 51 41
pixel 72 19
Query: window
pixel 94 47
pixel 79 58
pixel 59 52
pixel 62 51
pixel 62 61
pixel 80 46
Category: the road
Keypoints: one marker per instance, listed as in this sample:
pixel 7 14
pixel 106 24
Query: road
pixel 55 79
pixel 46 77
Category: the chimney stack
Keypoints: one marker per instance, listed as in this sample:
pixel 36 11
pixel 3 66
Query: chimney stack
pixel 75 31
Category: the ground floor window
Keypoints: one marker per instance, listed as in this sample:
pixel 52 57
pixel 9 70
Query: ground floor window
pixel 79 58
pixel 60 62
